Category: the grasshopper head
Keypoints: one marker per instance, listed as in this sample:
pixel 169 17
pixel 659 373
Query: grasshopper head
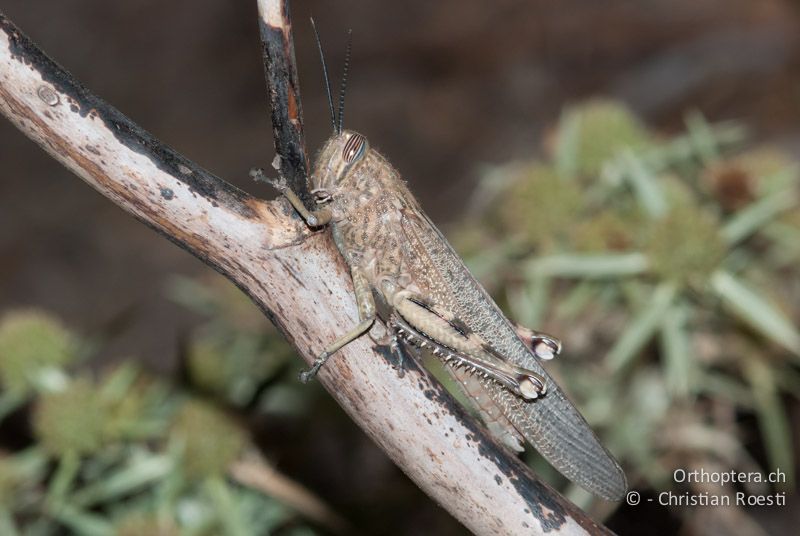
pixel 342 153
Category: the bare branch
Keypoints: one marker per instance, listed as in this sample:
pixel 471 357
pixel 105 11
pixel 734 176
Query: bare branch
pixel 254 472
pixel 280 71
pixel 295 277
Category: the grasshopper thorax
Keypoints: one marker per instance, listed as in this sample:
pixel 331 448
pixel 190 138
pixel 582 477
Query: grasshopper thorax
pixel 340 155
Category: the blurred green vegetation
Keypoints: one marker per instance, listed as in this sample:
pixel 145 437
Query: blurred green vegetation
pixel 668 265
pixel 670 268
pixel 120 452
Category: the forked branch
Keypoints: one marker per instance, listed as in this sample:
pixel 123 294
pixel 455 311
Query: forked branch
pixel 294 276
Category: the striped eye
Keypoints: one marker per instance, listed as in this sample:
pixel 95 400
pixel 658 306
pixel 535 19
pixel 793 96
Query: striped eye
pixel 354 148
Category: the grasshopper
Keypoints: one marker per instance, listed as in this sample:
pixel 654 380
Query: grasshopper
pixel 406 274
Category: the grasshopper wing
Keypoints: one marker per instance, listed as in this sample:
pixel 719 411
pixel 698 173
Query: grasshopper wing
pixel 551 424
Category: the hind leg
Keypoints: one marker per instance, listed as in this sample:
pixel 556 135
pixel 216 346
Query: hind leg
pixel 542 345
pixel 427 325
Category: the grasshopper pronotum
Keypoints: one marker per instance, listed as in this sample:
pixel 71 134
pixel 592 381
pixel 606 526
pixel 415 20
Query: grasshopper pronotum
pixel 405 273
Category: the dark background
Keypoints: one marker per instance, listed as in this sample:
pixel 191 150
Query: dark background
pixel 443 88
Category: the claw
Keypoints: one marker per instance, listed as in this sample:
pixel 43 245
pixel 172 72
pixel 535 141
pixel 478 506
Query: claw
pixel 308 375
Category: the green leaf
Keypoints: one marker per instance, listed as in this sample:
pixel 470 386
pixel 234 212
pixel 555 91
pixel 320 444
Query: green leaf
pixel 643 327
pixel 264 515
pixel 676 352
pixel 43 526
pixel 785 251
pixel 196 517
pixel 64 477
pixel 81 522
pixel 529 302
pixel 7 525
pixel 702 136
pixel 645 185
pixel 789 381
pixel 226 507
pixel 32 462
pixel 748 220
pixel 10 401
pixel 138 473
pixel 168 489
pixel 119 382
pixel 772 419
pixel 579 297
pixel 718 385
pixel 756 311
pixel 588 266
pixel 682 149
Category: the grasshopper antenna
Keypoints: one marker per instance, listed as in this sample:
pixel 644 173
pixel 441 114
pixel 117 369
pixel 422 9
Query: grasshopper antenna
pixel 325 74
pixel 344 79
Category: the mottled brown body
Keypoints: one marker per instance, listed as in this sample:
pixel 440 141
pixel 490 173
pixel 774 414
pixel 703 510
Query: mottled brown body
pixel 396 254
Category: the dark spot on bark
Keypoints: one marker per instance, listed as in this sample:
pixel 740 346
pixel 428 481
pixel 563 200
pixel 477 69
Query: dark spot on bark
pixel 547 508
pixel 74 108
pixel 498 479
pixel 92 149
pixel 167 193
pixel 290 271
pixel 347 373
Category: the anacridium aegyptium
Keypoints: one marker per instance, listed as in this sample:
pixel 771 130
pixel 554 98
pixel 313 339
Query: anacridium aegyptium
pixel 399 259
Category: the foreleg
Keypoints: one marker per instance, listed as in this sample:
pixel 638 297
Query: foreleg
pixel 315 218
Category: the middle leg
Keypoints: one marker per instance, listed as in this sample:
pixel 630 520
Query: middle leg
pixel 366 314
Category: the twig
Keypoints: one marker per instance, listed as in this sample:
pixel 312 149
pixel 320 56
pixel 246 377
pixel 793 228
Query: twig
pixel 255 473
pixel 280 71
pixel 295 277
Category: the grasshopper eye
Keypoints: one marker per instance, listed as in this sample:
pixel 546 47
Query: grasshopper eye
pixel 354 148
